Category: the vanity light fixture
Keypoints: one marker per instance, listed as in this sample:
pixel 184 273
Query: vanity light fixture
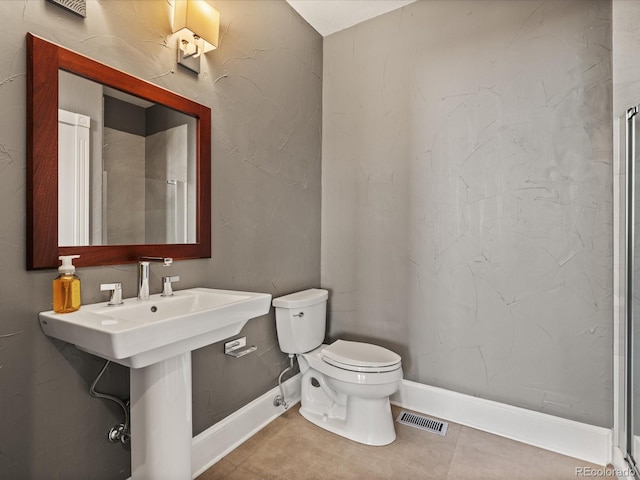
pixel 197 23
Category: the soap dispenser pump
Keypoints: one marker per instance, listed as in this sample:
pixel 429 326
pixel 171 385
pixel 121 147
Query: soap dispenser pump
pixel 66 286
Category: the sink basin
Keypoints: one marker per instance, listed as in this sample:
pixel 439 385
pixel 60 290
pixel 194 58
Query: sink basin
pixel 140 333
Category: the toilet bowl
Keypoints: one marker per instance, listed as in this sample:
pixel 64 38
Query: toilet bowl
pixel 345 385
pixel 350 403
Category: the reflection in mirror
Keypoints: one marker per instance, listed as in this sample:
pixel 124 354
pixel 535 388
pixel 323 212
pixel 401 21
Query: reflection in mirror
pixel 126 168
pixel 160 197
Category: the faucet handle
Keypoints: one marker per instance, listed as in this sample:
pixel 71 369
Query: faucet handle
pixel 115 298
pixel 167 288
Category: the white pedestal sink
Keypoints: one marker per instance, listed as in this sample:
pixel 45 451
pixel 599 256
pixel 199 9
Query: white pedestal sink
pixel 155 338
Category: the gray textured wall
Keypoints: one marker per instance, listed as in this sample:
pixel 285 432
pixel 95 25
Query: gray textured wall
pixel 626 69
pixel 264 88
pixel 467 197
pixel 626 93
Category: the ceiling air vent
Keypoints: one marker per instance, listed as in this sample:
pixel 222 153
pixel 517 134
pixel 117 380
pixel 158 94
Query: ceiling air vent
pixel 423 423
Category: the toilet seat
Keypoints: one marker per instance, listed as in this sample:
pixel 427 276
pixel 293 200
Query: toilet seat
pixel 316 362
pixel 360 357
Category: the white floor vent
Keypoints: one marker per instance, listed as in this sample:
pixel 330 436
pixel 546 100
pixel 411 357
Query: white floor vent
pixel 423 423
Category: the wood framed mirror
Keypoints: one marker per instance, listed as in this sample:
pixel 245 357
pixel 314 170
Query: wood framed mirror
pixel 44 63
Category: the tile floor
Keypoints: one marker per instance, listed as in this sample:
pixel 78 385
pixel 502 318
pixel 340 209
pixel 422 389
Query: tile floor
pixel 291 448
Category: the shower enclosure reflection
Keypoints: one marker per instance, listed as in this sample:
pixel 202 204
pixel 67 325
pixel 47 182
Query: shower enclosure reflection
pixel 127 175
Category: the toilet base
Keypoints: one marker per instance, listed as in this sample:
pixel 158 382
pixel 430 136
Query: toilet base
pixel 367 421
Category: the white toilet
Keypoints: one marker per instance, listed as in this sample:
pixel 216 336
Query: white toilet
pixel 345 385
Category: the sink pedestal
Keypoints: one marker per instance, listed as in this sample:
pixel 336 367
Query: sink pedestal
pixel 161 425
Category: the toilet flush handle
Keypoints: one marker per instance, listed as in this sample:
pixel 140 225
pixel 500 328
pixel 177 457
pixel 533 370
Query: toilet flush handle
pixel 301 314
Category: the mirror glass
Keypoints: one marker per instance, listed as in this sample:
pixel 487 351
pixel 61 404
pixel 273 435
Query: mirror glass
pixel 126 168
pixel 117 167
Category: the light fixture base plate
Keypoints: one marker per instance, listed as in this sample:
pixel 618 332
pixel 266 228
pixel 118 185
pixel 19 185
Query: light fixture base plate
pixel 190 62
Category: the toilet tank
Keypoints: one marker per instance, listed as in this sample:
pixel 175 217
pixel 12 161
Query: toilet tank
pixel 301 319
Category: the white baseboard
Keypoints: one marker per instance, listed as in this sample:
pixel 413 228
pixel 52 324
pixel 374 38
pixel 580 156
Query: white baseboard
pixel 223 437
pixel 568 437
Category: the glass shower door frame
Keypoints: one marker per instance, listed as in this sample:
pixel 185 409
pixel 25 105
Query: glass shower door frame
pixel 630 156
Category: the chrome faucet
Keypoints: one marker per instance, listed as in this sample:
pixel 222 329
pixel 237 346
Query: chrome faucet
pixel 143 274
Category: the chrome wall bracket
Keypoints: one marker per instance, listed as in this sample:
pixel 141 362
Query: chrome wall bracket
pixel 189 54
pixel 238 347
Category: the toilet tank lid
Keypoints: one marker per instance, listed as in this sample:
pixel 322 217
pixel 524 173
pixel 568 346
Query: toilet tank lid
pixel 305 298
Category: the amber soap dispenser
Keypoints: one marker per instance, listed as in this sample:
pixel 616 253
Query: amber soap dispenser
pixel 66 287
